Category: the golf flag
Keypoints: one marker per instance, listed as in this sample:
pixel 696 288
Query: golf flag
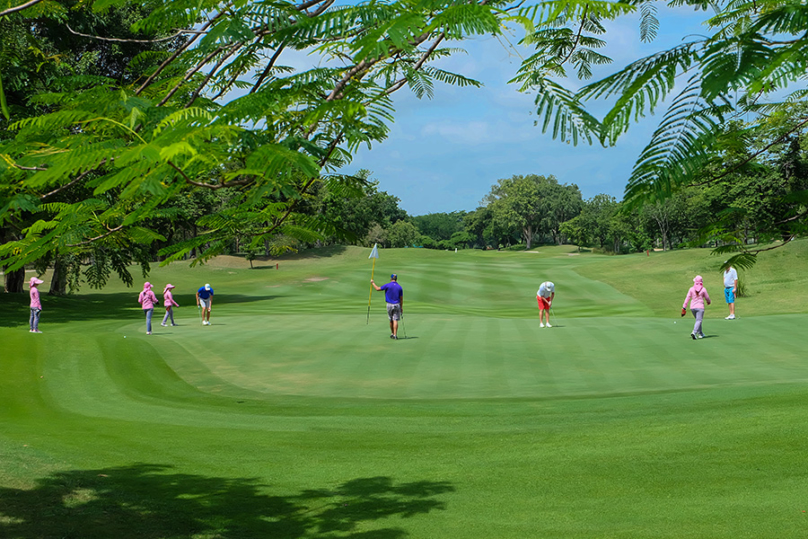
pixel 374 254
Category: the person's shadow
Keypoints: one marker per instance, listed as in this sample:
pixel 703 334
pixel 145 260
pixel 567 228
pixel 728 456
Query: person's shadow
pixel 152 501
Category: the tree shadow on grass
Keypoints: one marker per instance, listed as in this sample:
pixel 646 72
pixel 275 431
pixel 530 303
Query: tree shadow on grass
pixel 14 310
pixel 150 501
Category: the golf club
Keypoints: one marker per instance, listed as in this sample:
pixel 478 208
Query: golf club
pixel 402 325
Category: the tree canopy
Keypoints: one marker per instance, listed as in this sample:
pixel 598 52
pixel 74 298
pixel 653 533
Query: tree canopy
pixel 172 98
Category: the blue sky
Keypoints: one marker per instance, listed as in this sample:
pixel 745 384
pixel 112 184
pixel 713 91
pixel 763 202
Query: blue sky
pixel 444 154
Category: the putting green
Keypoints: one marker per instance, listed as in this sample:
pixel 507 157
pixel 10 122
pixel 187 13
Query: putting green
pixel 292 417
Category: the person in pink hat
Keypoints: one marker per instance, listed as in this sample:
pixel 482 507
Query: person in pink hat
pixel 697 295
pixel 169 303
pixel 147 301
pixel 36 305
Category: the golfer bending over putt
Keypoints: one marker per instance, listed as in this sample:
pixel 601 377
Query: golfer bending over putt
pixel 545 297
pixel 394 295
pixel 697 295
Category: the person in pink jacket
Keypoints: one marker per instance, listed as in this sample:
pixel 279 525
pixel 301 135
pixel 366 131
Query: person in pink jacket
pixel 697 295
pixel 169 303
pixel 36 306
pixel 147 301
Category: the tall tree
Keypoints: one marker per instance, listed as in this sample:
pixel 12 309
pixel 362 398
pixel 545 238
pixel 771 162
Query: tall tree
pixel 563 202
pixel 532 205
pixel 354 211
pixel 43 58
pixel 478 224
pixel 516 203
pixel 403 234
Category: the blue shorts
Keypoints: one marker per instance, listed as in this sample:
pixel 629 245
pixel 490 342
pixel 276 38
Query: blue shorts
pixel 729 295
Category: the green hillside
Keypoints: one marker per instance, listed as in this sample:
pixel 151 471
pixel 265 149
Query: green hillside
pixel 291 417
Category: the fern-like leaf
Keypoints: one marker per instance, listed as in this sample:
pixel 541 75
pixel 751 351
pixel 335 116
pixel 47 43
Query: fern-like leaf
pixel 678 147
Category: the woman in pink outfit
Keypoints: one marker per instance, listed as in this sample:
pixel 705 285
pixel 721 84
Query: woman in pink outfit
pixel 36 306
pixel 169 303
pixel 147 300
pixel 697 295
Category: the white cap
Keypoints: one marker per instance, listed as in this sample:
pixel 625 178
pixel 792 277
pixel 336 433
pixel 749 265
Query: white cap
pixel 207 286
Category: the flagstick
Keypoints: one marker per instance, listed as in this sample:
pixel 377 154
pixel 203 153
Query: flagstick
pixel 370 294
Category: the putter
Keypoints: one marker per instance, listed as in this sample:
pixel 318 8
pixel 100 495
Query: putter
pixel 402 325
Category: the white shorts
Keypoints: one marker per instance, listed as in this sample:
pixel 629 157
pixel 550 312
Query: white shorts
pixel 205 303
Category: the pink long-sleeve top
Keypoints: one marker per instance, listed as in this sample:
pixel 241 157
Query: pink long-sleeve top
pixel 168 299
pixel 147 299
pixel 35 303
pixel 696 296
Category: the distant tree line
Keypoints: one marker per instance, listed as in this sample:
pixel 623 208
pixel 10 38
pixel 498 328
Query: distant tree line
pixel 754 201
pixel 526 210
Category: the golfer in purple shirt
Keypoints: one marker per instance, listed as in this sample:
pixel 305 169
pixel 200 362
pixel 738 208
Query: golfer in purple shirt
pixel 394 295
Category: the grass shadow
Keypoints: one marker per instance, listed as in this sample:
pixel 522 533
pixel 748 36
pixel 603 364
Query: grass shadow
pixel 152 501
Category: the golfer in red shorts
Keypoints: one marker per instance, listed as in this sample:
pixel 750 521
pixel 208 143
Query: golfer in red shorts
pixel 545 297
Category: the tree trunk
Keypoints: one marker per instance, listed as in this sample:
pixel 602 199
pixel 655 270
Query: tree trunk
pixel 58 285
pixel 527 232
pixel 14 281
pixel 663 230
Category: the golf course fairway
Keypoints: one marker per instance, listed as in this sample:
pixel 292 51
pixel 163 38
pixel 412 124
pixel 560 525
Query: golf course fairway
pixel 291 416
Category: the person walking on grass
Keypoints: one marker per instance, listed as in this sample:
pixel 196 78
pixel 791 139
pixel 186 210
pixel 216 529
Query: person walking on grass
pixel 545 297
pixel 730 290
pixel 169 303
pixel 147 301
pixel 36 305
pixel 697 295
pixel 394 296
pixel 204 298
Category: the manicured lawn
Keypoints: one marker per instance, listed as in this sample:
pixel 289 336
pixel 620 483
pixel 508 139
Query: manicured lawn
pixel 289 417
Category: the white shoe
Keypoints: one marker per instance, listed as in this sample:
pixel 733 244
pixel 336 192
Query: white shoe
pixel 548 325
pixel 541 325
pixel 731 317
pixel 163 325
pixel 204 323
